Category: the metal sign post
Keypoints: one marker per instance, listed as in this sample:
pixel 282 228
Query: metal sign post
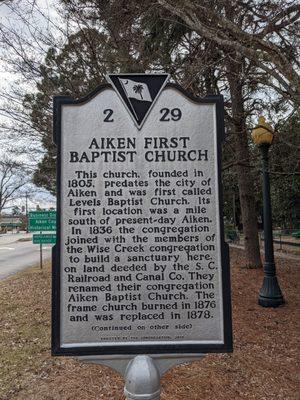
pixel 142 378
pixel 142 373
pixel 41 255
pixel 140 268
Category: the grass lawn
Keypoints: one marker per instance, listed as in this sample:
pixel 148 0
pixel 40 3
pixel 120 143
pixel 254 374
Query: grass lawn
pixel 263 365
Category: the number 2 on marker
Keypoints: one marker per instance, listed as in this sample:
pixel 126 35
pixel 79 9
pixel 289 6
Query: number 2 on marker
pixel 108 112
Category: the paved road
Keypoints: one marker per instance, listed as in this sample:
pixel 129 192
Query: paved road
pixel 16 256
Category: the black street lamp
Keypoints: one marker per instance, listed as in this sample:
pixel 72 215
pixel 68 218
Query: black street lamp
pixel 270 294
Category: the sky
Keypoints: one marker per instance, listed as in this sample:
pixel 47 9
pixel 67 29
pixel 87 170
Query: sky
pixel 12 16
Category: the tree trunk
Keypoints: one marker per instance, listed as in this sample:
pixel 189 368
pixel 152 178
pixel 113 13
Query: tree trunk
pixel 245 180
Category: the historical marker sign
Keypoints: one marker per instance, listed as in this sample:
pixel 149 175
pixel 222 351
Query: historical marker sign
pixel 140 265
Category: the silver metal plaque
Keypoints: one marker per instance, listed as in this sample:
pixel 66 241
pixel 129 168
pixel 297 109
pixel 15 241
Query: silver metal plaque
pixel 140 265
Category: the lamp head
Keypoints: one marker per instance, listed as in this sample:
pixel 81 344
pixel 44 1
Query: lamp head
pixel 263 133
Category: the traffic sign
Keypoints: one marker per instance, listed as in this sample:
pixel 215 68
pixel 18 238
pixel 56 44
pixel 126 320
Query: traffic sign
pixel 41 225
pixel 41 221
pixel 51 214
pixel 47 238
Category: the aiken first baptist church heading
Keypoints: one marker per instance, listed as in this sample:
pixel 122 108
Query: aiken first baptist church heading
pixel 141 263
pixel 156 149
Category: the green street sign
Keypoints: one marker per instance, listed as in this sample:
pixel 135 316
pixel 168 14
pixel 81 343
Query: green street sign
pixel 41 221
pixel 41 225
pixel 44 238
pixel 42 214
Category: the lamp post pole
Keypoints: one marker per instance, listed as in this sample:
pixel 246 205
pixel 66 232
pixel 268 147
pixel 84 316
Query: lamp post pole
pixel 270 294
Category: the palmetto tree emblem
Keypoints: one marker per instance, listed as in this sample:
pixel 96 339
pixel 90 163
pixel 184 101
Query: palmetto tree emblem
pixel 138 89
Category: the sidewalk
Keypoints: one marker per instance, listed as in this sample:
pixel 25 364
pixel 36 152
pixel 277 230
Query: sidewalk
pixel 7 238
